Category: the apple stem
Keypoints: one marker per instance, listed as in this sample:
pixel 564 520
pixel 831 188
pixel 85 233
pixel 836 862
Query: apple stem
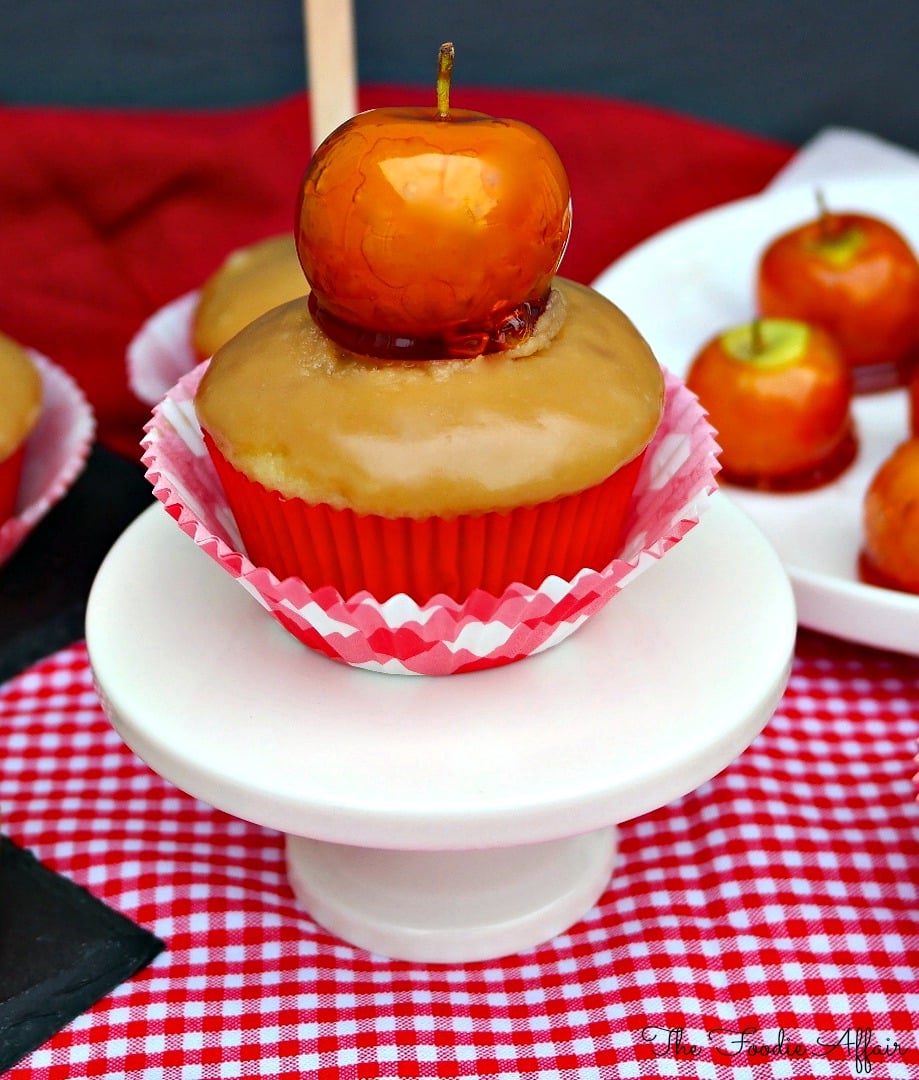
pixel 444 75
pixel 823 215
pixel 756 337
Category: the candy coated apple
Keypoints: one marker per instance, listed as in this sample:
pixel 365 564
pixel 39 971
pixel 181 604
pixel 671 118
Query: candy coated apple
pixel 778 394
pixel 914 404
pixel 424 232
pixel 891 521
pixel 855 276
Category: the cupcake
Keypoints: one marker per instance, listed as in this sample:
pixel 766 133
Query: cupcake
pixel 434 463
pixel 20 409
pixel 251 280
pixel 443 414
pixel 443 636
pixel 432 476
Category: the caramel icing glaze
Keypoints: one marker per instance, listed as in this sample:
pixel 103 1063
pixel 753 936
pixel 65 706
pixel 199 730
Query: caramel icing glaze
pixel 291 409
pixel 249 282
pixel 20 396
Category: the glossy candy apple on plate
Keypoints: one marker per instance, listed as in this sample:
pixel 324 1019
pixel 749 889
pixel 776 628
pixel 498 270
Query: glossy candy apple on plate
pixel 432 232
pixel 778 393
pixel 857 277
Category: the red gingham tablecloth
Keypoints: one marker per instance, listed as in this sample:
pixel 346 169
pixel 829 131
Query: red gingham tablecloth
pixel 763 926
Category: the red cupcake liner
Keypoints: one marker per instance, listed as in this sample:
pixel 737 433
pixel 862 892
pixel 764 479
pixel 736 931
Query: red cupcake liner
pixel 10 475
pixel 433 556
pixel 443 636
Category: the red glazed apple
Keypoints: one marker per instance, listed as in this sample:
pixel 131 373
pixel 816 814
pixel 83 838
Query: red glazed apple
pixel 890 557
pixel 855 276
pixel 431 231
pixel 779 394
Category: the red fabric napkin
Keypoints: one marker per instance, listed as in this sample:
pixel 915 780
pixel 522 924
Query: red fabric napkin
pixel 109 215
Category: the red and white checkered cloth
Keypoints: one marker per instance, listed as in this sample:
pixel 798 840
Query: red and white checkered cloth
pixel 780 900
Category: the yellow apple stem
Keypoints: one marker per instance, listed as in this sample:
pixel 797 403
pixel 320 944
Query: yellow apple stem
pixel 444 75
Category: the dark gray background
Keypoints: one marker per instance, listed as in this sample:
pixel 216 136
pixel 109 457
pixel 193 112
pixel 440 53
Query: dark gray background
pixel 783 68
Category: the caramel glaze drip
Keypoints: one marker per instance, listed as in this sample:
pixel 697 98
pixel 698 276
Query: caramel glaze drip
pixel 457 343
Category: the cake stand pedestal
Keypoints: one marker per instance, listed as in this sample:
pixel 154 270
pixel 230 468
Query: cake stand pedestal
pixel 444 820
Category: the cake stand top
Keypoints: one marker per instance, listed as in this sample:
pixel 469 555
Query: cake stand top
pixel 653 696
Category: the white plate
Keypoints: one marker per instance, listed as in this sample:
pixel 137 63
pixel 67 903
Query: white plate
pixel 691 281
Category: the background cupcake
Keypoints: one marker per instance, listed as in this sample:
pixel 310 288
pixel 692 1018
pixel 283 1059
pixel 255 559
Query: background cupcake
pixel 20 408
pixel 52 454
pixel 250 281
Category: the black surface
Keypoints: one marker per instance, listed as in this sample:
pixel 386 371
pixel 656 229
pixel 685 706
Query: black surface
pixel 784 68
pixel 45 585
pixel 61 950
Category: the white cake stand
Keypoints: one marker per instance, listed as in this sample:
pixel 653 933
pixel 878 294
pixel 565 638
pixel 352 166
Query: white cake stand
pixel 444 819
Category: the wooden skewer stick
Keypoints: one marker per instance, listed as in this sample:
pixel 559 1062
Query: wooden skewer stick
pixel 331 64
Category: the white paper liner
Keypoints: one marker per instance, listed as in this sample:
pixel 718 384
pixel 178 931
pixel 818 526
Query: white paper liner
pixel 161 351
pixel 55 454
pixel 443 636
